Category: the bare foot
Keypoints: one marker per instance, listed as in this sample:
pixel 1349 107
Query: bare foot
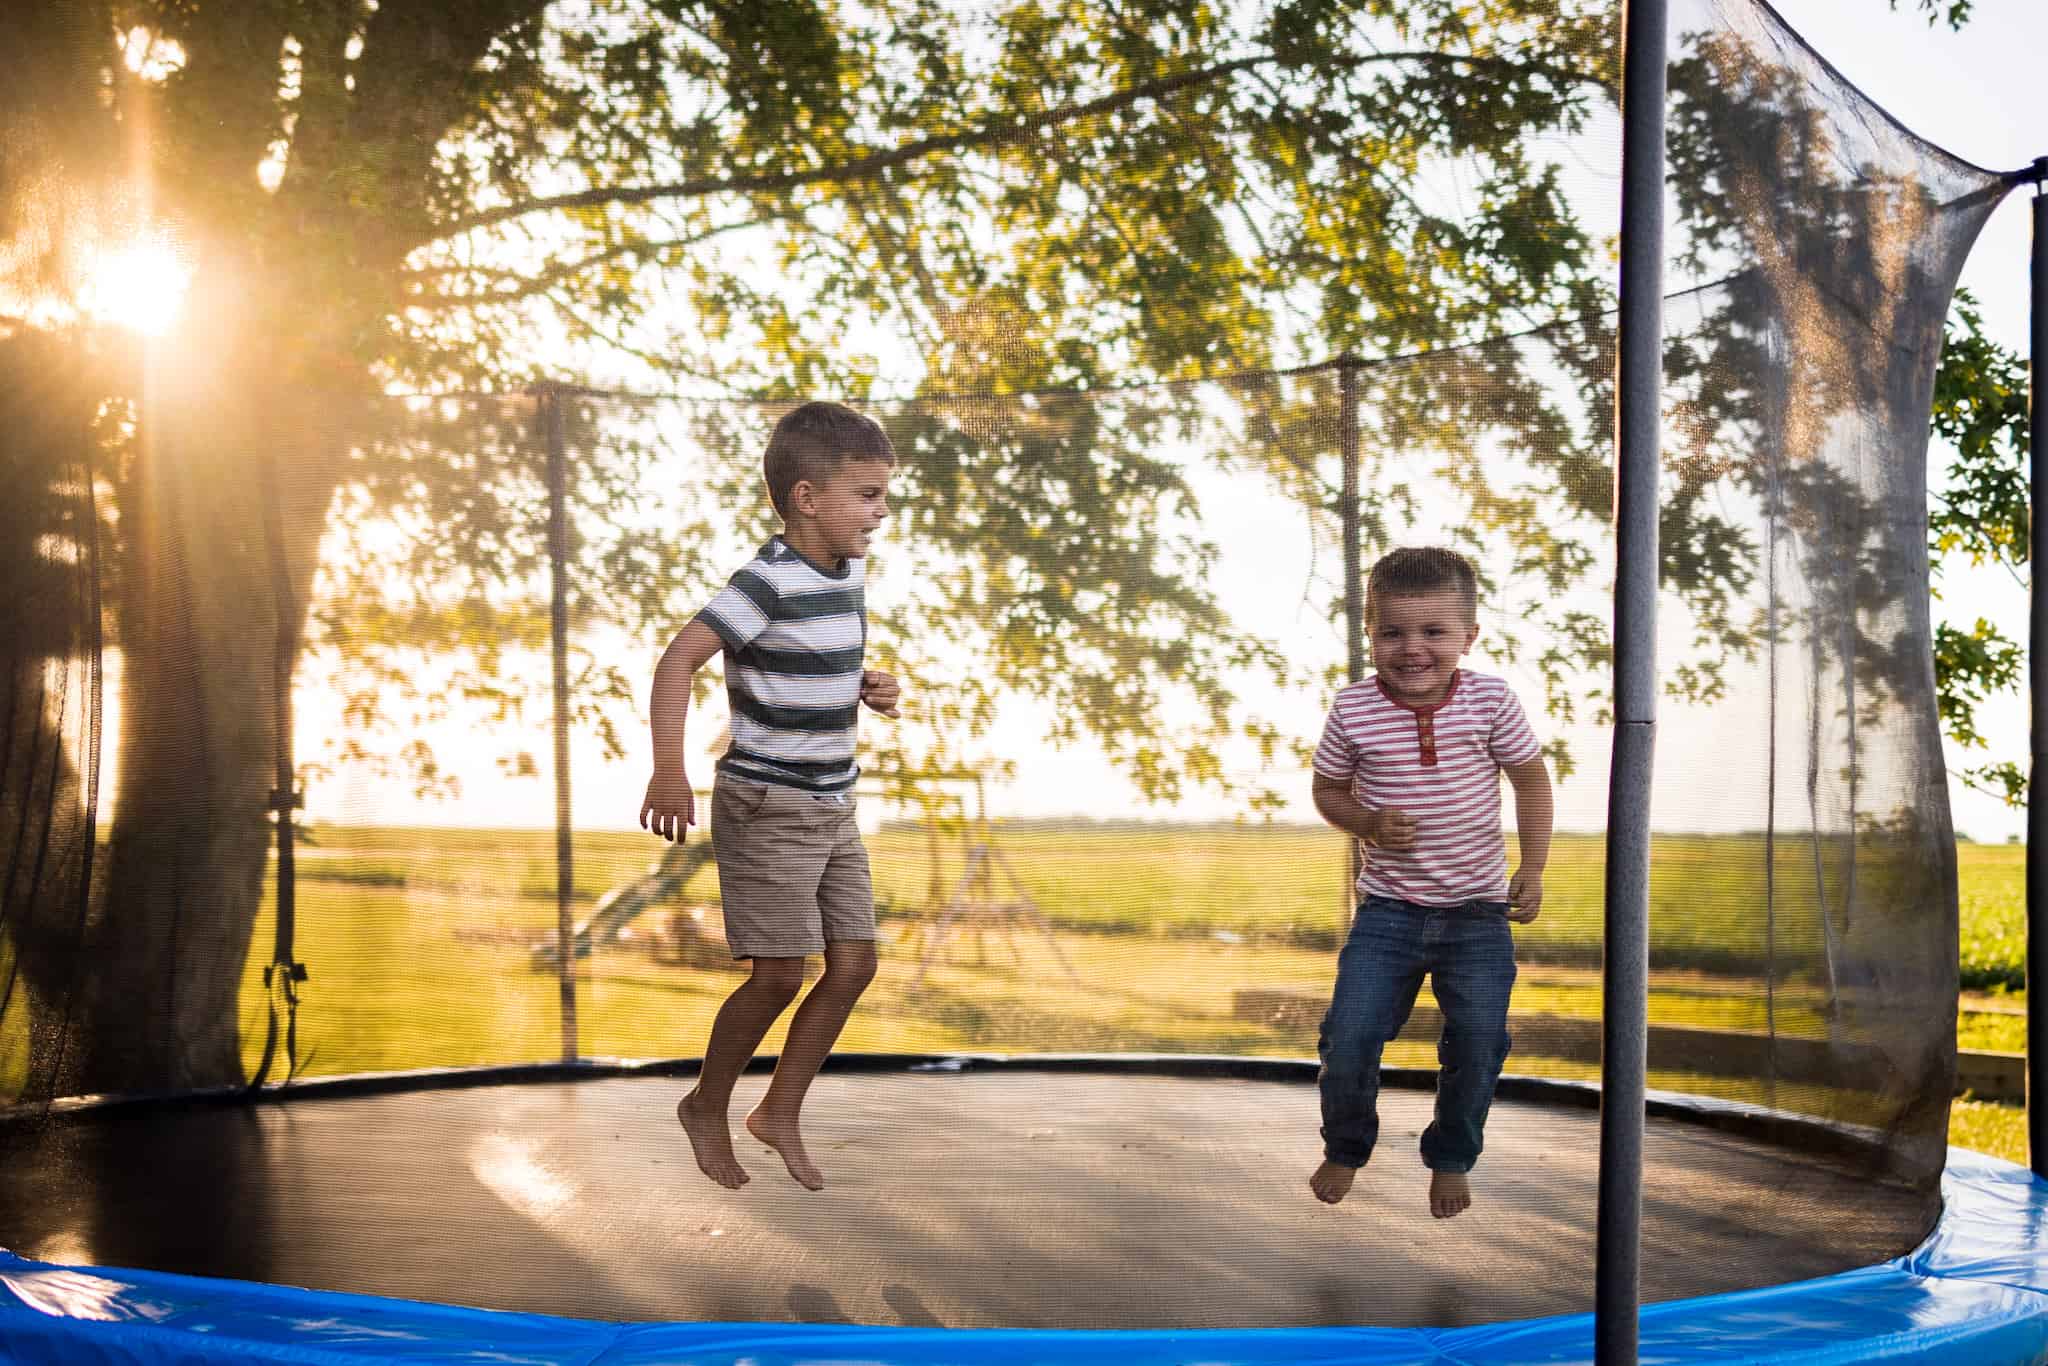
pixel 1450 1194
pixel 711 1141
pixel 785 1139
pixel 1331 1182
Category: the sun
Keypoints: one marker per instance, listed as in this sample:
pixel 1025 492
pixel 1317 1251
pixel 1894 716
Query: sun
pixel 140 285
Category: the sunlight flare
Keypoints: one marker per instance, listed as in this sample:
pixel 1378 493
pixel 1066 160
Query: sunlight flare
pixel 140 285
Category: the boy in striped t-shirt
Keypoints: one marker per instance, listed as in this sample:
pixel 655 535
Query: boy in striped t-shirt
pixel 792 873
pixel 1410 763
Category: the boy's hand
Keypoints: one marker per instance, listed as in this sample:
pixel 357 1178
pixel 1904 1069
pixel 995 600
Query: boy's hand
pixel 672 805
pixel 1525 895
pixel 1392 828
pixel 880 691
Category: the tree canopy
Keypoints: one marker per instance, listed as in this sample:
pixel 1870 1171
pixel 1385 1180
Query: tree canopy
pixel 969 207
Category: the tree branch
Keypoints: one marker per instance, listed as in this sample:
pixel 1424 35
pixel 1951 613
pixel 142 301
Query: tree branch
pixel 524 285
pixel 859 169
pixel 862 168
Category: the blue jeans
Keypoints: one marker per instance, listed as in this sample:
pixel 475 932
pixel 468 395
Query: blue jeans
pixel 1469 953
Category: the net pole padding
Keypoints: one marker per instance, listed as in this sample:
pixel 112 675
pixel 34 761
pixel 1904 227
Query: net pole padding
pixel 284 972
pixel 550 403
pixel 1625 968
pixel 1352 521
pixel 2037 680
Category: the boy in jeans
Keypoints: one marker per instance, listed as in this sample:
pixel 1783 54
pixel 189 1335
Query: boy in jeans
pixel 1410 763
pixel 792 873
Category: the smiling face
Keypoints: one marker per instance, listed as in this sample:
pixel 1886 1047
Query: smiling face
pixel 838 516
pixel 1417 641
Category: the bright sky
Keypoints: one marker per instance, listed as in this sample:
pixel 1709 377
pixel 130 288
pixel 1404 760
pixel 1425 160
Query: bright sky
pixel 1980 95
pixel 1973 93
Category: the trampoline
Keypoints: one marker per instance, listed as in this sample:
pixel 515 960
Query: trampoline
pixel 1095 1149
pixel 1132 1209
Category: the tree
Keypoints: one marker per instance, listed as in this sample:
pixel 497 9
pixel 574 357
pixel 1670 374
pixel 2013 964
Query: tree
pixel 410 196
pixel 1954 13
pixel 1980 407
pixel 1024 197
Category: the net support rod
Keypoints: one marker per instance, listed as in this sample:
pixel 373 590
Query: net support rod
pixel 2037 681
pixel 1638 413
pixel 1352 521
pixel 558 632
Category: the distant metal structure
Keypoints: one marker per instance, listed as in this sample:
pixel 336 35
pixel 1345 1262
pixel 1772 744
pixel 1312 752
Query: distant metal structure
pixel 987 897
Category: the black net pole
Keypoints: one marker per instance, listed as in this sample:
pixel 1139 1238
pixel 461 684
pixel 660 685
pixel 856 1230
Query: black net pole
pixel 1626 960
pixel 1354 570
pixel 2037 642
pixel 1354 567
pixel 558 632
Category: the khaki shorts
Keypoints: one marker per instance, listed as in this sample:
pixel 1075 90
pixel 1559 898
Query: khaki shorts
pixel 791 870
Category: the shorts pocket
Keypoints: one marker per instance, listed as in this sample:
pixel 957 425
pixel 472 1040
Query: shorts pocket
pixel 741 801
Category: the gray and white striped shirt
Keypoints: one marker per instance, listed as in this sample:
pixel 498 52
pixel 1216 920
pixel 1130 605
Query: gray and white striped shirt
pixel 794 638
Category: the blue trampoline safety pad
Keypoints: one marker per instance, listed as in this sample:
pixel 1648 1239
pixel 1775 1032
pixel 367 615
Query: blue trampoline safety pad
pixel 1974 1294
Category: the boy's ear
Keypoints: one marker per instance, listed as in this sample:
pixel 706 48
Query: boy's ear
pixel 1471 634
pixel 803 498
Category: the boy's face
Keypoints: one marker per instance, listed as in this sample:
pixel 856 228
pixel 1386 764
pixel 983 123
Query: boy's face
pixel 1417 640
pixel 847 507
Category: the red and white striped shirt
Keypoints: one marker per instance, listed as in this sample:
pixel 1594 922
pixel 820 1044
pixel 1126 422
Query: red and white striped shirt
pixel 1442 766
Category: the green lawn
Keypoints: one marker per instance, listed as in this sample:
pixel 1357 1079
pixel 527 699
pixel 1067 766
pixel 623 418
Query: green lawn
pixel 418 942
pixel 2000 1130
pixel 1991 894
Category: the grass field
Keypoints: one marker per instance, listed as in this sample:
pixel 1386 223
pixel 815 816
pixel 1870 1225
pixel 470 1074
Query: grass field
pixel 1284 884
pixel 1991 892
pixel 419 944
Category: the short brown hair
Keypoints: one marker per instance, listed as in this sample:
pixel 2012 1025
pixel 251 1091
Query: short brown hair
pixel 1422 569
pixel 812 441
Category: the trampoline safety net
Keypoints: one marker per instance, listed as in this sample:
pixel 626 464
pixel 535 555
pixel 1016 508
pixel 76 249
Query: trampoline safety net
pixel 1177 317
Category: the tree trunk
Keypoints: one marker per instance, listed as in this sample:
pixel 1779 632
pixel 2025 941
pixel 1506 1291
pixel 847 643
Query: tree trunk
pixel 51 553
pixel 169 946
